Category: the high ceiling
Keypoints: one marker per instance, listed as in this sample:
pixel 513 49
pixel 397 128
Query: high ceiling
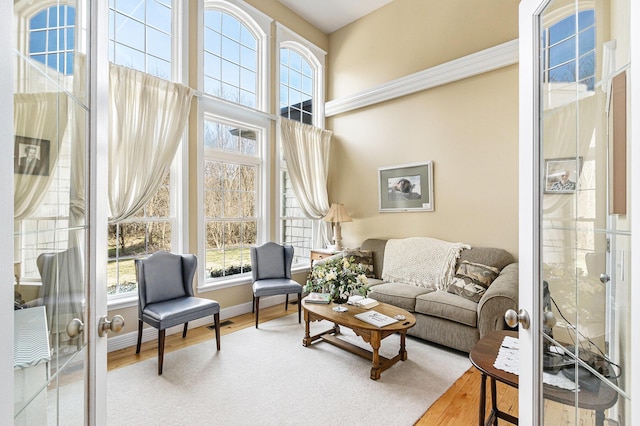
pixel 330 15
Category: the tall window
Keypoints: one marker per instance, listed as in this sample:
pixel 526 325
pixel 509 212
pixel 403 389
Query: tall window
pixel 140 37
pixel 296 103
pixel 569 51
pixel 233 138
pixel 52 38
pixel 230 192
pixel 230 59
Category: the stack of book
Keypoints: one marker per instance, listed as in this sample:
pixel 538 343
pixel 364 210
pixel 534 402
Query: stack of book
pixel 318 298
pixel 375 318
pixel 363 302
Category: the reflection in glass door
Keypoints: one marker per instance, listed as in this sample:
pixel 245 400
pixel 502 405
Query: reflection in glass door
pixel 50 238
pixel 585 235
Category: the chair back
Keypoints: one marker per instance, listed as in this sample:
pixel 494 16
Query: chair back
pixel 271 260
pixel 164 276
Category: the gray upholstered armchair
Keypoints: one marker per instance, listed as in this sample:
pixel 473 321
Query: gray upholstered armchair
pixel 271 272
pixel 165 297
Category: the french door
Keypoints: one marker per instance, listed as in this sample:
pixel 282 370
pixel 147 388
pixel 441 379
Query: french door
pixel 577 212
pixel 58 64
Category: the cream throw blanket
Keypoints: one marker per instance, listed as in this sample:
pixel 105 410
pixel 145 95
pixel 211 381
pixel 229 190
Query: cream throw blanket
pixel 421 261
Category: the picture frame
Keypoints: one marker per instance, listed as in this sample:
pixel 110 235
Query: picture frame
pixel 561 175
pixel 31 156
pixel 406 187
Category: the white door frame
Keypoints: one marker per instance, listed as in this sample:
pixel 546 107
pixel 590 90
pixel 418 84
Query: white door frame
pixel 530 387
pixel 6 209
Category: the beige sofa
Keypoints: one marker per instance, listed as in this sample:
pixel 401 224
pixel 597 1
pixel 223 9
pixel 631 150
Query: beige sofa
pixel 445 318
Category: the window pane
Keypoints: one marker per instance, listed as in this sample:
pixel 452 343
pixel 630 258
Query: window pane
pixel 587 41
pixel 586 19
pixel 38 42
pixel 158 44
pixel 159 16
pixel 562 29
pixel 562 52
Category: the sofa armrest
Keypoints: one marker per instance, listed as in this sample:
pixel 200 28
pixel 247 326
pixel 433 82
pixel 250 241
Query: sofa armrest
pixel 501 295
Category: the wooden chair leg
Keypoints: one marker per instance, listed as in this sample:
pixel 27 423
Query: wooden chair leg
pixel 184 331
pixel 257 309
pixel 253 305
pixel 216 321
pixel 160 350
pixel 299 307
pixel 139 336
pixel 286 302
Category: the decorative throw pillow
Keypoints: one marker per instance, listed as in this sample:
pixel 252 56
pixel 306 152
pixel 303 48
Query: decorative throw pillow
pixel 466 288
pixel 363 257
pixel 472 280
pixel 478 273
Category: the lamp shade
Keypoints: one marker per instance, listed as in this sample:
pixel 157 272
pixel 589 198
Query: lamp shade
pixel 337 214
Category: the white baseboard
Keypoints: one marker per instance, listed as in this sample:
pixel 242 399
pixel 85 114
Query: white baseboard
pixel 121 341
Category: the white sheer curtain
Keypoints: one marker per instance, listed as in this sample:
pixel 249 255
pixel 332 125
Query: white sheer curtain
pixel 147 120
pixel 40 121
pixel 306 150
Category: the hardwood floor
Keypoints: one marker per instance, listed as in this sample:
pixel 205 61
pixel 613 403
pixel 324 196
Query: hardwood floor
pixel 458 406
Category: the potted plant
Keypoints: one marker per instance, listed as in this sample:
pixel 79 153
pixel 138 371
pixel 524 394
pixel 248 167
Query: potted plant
pixel 339 276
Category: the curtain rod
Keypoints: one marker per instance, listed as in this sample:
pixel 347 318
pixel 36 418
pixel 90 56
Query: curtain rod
pixel 207 97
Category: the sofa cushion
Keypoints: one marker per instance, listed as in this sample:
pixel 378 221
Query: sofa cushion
pixel 495 257
pixel 467 288
pixel 362 257
pixel 377 246
pixel 448 306
pixel 477 272
pixel 397 294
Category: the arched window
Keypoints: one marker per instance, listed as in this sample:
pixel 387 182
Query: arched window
pixel 230 59
pixel 296 86
pixel 52 37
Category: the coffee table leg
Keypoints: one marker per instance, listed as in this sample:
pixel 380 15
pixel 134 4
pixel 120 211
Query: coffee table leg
pixel 307 335
pixel 375 358
pixel 483 399
pixel 403 350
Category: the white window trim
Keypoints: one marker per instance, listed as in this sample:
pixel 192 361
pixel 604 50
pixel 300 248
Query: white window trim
pixel 259 25
pixel 238 117
pixel 286 38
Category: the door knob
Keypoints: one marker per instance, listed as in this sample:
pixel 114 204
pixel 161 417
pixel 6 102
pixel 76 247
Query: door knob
pixel 604 278
pixel 116 325
pixel 548 319
pixel 512 318
pixel 74 328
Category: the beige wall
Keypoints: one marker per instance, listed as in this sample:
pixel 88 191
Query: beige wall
pixel 467 128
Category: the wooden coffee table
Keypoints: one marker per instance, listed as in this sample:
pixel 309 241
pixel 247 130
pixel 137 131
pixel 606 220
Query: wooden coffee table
pixel 369 333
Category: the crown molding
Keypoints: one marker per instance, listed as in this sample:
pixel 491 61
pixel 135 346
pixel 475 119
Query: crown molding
pixel 480 62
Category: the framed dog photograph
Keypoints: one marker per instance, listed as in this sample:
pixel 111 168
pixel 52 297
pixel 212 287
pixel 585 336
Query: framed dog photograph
pixel 406 187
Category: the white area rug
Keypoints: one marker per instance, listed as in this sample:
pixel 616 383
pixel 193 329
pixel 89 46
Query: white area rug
pixel 266 377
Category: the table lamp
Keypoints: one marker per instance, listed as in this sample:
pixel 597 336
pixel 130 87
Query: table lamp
pixel 336 215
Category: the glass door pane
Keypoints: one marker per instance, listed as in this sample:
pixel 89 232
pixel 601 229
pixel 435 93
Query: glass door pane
pixel 584 241
pixel 50 239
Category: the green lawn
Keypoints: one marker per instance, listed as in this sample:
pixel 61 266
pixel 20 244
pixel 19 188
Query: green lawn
pixel 216 259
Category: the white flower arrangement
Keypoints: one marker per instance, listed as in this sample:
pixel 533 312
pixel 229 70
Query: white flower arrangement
pixel 339 276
